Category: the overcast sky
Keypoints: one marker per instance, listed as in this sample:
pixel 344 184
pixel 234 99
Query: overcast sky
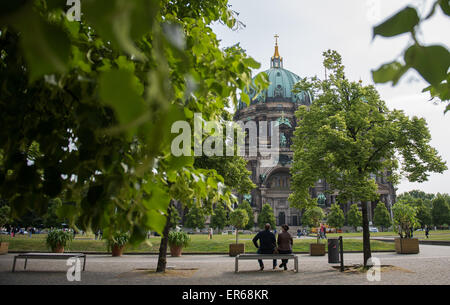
pixel 309 27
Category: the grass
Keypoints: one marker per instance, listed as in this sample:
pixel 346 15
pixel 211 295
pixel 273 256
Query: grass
pixel 199 243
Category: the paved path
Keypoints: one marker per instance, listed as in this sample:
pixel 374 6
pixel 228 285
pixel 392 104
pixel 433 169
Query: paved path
pixel 430 266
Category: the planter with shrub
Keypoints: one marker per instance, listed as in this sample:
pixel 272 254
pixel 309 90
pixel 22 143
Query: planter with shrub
pixel 238 219
pixel 3 247
pixel 58 239
pixel 117 242
pixel 177 241
pixel 4 219
pixel 404 223
pixel 312 217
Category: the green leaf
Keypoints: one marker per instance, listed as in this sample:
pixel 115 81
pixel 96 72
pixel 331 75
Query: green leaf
pixel 402 22
pixel 245 98
pixel 118 89
pixel 176 163
pixel 445 6
pixel 250 62
pixel 431 62
pixel 121 21
pixel 188 113
pixel 389 72
pixel 46 47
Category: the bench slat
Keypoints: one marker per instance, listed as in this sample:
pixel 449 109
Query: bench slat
pixel 27 256
pixel 266 256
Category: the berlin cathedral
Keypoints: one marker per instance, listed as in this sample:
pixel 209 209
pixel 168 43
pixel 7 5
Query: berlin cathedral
pixel 278 103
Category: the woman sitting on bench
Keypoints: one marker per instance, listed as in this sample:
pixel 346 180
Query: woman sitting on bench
pixel 285 243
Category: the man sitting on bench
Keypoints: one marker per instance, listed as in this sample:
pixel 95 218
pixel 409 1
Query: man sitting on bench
pixel 267 244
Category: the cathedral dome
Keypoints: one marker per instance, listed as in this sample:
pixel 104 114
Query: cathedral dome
pixel 281 84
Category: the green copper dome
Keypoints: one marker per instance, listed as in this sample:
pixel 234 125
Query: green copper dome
pixel 282 83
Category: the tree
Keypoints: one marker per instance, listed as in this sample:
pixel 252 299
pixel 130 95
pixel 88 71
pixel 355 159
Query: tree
pixel 266 216
pixel 51 218
pixel 347 135
pixel 404 219
pixel 174 217
pixel 4 215
pixel 312 217
pixel 441 210
pixel 251 216
pixel 238 219
pixel 417 194
pixel 381 216
pixel 87 110
pixel 219 218
pixel 354 217
pixel 431 62
pixel 233 169
pixel 195 218
pixel 336 216
pixel 424 209
pixel 422 202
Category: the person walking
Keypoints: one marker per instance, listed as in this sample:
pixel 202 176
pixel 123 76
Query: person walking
pixel 427 231
pixel 210 233
pixel 267 244
pixel 285 243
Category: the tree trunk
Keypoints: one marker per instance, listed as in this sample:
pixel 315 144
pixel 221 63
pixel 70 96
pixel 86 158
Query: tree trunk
pixel 366 233
pixel 237 236
pixel 162 258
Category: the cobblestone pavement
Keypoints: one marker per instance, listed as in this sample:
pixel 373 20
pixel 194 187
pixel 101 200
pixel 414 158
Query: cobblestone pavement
pixel 430 266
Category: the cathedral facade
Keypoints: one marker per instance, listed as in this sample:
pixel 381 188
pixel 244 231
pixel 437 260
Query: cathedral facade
pixel 278 104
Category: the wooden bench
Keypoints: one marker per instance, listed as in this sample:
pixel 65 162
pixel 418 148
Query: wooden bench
pixel 27 256
pixel 265 256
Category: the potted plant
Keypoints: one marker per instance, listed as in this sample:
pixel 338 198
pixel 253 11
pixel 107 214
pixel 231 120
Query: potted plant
pixel 238 219
pixel 404 223
pixel 3 246
pixel 58 239
pixel 4 218
pixel 177 241
pixel 312 218
pixel 117 242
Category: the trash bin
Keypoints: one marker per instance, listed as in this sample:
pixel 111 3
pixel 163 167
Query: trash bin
pixel 333 250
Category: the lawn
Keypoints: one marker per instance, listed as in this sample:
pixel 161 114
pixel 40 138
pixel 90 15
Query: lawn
pixel 199 243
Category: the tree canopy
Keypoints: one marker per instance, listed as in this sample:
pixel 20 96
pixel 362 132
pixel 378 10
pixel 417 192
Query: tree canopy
pixel 251 215
pixel 266 216
pixel 381 216
pixel 354 216
pixel 441 210
pixel 219 217
pixel 335 217
pixel 348 135
pixel 87 109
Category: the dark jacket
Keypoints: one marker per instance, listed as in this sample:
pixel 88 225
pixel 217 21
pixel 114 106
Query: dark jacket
pixel 266 240
pixel 285 241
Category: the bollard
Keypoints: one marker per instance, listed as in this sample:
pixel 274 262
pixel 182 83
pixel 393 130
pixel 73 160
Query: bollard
pixel 341 242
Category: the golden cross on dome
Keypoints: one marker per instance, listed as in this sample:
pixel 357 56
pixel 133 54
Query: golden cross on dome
pixel 276 38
